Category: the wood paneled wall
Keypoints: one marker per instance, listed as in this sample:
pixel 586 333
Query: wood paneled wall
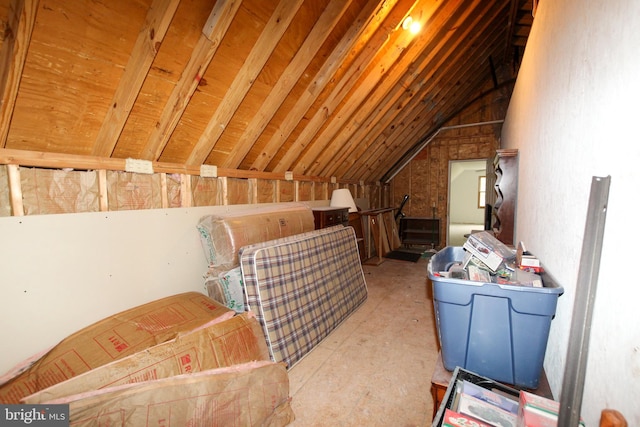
pixel 473 134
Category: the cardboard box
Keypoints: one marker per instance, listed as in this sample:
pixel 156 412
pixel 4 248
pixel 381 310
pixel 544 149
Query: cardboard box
pixel 485 412
pixel 452 397
pixel 492 397
pixel 233 341
pixel 113 338
pixel 454 419
pixel 491 251
pixel 250 394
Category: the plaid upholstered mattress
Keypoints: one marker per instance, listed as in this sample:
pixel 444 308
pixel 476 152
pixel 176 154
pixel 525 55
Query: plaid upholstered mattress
pixel 302 287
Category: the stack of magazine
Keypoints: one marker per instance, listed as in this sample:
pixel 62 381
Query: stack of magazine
pixel 525 260
pixel 477 406
pixel 488 260
pixel 489 250
pixel 538 411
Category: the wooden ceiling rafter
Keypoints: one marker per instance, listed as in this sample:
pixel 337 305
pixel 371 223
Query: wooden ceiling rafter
pixel 511 25
pixel 381 78
pixel 426 138
pixel 135 72
pixel 262 49
pixel 213 32
pixel 405 129
pixel 17 35
pixel 318 35
pixel 358 68
pixel 427 88
pixel 519 27
pixel 369 18
pixel 415 128
pixel 390 105
pixel 328 88
pixel 387 149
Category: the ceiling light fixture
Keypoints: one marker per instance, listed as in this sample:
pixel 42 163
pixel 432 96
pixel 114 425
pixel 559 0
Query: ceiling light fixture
pixel 411 25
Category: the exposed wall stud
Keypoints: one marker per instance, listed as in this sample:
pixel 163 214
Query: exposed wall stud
pixel 15 190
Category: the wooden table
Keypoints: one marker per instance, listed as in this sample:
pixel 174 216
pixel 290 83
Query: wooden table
pixel 441 378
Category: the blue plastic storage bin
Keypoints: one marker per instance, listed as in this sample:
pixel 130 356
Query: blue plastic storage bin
pixel 498 331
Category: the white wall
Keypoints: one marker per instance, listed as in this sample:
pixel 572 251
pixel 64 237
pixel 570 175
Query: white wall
pixel 463 197
pixel 59 273
pixel 574 115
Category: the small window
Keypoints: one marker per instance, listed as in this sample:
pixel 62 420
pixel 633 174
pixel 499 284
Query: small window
pixel 482 191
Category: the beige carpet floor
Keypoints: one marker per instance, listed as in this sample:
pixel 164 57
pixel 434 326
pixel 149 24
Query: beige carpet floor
pixel 375 369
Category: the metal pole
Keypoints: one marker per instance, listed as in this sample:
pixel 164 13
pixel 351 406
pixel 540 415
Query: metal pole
pixel 577 351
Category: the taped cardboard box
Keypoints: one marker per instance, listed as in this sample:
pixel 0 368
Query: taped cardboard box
pixel 110 339
pixel 250 394
pixel 233 341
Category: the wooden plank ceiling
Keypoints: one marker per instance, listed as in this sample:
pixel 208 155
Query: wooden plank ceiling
pixel 333 88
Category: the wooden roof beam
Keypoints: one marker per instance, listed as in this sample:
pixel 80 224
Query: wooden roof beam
pixel 403 141
pixel 372 87
pixel 260 53
pixel 24 158
pixel 214 30
pixel 344 86
pixel 144 52
pixel 318 35
pixel 368 20
pixel 513 18
pixel 403 130
pixel 442 59
pixel 20 23
pixel 421 55
pixel 404 138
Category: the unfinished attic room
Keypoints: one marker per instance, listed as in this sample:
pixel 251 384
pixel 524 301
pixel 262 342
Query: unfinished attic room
pixel 319 213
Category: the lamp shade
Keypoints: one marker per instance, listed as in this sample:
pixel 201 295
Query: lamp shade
pixel 342 198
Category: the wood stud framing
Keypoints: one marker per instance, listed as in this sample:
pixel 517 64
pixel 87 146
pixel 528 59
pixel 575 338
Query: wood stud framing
pixel 323 89
pixel 13 159
pixel 15 190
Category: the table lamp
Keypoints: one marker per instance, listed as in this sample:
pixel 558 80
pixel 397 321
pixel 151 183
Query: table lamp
pixel 342 198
